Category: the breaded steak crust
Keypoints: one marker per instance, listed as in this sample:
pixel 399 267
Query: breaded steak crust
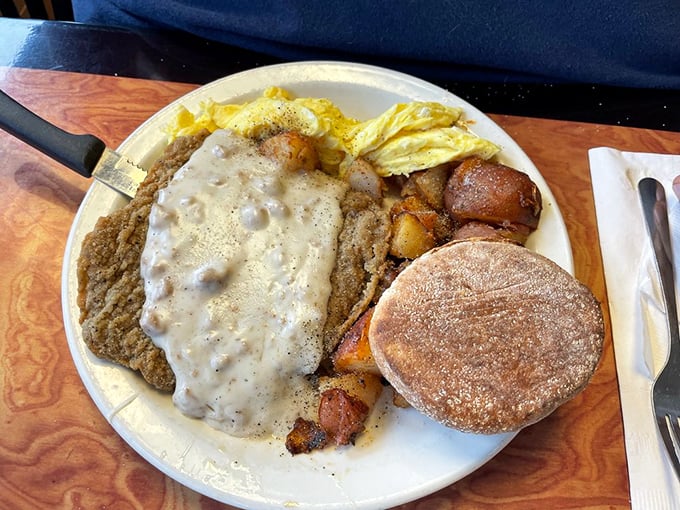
pixel 362 251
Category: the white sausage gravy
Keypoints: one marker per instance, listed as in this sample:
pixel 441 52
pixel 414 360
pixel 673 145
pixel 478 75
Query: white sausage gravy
pixel 236 271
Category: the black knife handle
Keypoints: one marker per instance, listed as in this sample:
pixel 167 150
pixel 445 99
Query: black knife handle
pixel 78 152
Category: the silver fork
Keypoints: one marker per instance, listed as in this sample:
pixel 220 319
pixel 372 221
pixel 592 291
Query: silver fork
pixel 666 390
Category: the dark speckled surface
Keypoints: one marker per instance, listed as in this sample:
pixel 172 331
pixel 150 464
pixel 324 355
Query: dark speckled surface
pixel 178 57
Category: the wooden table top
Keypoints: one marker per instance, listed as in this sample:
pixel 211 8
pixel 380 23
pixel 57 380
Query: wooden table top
pixel 58 451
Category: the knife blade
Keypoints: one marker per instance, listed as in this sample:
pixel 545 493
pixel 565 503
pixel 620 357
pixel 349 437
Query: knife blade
pixel 85 154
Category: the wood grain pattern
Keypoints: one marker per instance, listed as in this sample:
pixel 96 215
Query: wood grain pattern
pixel 56 449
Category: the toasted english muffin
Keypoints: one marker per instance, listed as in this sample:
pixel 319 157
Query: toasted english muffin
pixel 486 337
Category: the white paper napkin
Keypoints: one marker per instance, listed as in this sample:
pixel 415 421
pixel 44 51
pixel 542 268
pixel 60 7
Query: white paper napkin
pixel 637 310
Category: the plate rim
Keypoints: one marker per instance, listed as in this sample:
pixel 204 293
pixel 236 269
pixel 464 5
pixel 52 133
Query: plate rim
pixel 71 251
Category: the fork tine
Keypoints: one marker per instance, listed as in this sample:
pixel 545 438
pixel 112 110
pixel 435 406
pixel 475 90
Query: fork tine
pixel 674 424
pixel 669 426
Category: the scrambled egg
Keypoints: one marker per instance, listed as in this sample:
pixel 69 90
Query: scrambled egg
pixel 405 138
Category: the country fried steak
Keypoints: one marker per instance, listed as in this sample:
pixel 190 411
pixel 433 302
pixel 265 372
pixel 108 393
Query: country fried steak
pixel 111 290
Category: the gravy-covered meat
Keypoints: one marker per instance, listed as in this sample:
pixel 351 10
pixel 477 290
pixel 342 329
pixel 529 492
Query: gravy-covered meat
pixel 110 289
pixel 111 292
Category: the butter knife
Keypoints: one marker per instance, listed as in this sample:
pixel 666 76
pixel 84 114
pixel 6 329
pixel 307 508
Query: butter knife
pixel 86 154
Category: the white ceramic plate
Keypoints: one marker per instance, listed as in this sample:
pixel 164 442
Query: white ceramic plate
pixel 408 456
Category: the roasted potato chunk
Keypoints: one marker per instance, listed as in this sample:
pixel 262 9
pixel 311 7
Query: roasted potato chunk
pixel 362 385
pixel 430 185
pixel 342 415
pixel 354 352
pixel 346 402
pixel 410 238
pixel 436 222
pixel 480 190
pixel 362 177
pixel 417 207
pixel 294 151
pixel 479 230
pixel 305 437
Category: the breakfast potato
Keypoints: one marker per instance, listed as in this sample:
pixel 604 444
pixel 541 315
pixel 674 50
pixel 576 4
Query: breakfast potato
pixel 345 404
pixel 354 352
pixel 294 151
pixel 436 221
pixel 431 183
pixel 418 208
pixel 480 190
pixel 410 238
pixel 361 176
pixel 305 436
pixel 365 386
pixel 479 230
pixel 342 416
pixel 415 227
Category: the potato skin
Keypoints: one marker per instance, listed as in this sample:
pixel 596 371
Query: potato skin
pixel 479 190
pixel 478 230
pixel 295 152
pixel 342 415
